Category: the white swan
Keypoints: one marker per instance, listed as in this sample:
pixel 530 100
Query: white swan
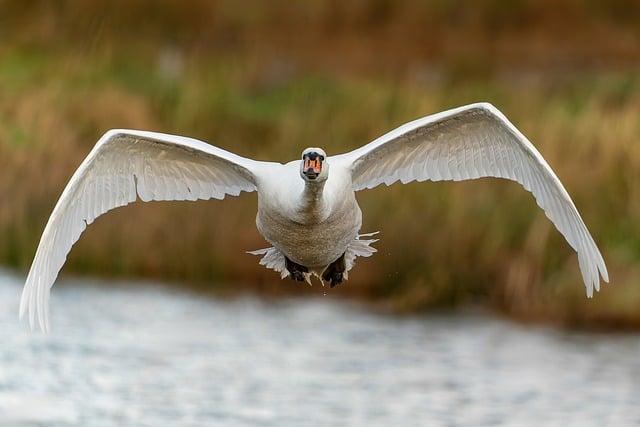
pixel 306 208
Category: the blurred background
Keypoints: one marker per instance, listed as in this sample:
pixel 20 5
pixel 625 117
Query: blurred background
pixel 267 79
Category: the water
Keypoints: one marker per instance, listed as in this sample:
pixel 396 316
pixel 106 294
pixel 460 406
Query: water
pixel 148 356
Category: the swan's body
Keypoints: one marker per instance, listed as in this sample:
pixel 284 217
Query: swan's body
pixel 306 208
pixel 310 223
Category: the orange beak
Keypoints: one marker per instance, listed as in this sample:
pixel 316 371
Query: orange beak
pixel 315 165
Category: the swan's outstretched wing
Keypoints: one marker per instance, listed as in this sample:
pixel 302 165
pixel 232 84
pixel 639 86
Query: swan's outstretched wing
pixel 123 165
pixel 471 142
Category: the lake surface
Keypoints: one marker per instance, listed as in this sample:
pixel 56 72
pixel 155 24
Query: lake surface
pixel 144 355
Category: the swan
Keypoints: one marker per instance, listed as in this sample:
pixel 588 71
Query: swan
pixel 307 208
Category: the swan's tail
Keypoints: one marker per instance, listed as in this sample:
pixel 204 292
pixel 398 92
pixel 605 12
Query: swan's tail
pixel 273 259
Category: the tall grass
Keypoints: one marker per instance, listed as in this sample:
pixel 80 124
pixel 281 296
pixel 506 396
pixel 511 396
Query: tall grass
pixel 442 243
pixel 266 82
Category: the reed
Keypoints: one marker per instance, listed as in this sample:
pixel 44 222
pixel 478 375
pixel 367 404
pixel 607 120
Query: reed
pixel 442 244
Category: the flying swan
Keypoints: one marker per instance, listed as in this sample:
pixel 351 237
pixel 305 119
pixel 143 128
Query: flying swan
pixel 307 208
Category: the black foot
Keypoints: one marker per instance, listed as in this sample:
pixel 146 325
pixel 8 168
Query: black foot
pixel 336 279
pixel 295 270
pixel 334 273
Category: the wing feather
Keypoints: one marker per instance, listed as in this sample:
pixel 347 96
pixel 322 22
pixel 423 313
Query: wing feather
pixel 470 142
pixel 125 165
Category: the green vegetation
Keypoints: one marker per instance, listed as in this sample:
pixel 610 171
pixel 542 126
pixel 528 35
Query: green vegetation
pixel 441 245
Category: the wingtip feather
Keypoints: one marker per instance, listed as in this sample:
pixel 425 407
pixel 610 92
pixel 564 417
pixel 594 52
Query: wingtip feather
pixel 23 301
pixel 34 304
pixel 603 272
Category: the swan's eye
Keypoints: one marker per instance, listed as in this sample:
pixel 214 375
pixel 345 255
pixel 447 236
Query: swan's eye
pixel 322 158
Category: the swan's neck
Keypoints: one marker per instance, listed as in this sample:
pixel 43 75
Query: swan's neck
pixel 312 206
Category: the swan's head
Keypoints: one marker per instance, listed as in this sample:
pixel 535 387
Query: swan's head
pixel 313 167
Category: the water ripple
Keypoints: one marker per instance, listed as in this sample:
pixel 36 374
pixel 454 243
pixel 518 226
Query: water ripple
pixel 149 356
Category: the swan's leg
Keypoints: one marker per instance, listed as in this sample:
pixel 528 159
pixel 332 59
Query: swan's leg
pixel 334 273
pixel 295 270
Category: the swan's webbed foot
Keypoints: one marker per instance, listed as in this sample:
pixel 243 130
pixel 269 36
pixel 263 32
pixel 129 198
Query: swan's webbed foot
pixel 296 271
pixel 334 273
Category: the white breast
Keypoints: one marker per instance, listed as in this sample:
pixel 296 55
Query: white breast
pixel 312 238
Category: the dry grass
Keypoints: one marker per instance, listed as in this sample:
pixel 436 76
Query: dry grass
pixel 442 244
